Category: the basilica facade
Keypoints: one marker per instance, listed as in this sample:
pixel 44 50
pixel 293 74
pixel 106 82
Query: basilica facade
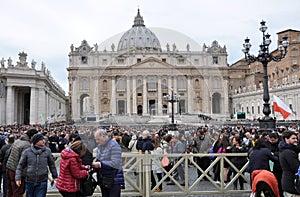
pixel 147 72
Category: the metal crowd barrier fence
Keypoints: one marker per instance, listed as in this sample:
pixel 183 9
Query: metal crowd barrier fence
pixel 137 175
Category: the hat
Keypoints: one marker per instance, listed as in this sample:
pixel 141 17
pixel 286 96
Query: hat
pixel 36 138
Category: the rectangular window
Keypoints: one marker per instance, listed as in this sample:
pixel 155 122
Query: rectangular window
pixel 139 94
pixel 196 61
pixel 252 109
pixel 164 60
pixel 84 60
pixel 258 109
pixel 180 61
pixel 215 60
pixel 138 60
pixel 120 61
pixel 59 105
pixel 104 61
pixel 294 53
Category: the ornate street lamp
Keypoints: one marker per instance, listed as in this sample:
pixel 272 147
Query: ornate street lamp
pixel 173 98
pixel 266 123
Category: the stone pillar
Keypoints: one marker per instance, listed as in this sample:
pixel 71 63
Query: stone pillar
pixel 9 105
pixel 170 93
pixel 128 96
pixel 75 100
pixel 190 104
pixel 42 116
pixel 113 102
pixel 225 104
pixel 206 100
pixel 33 106
pixel 159 97
pixel 134 104
pixel 145 104
pixel 96 96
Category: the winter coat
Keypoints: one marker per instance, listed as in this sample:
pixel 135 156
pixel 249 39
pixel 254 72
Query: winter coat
pixel 71 170
pixel 110 157
pixel 35 162
pixel 267 177
pixel 259 159
pixel 147 145
pixel 288 158
pixel 201 145
pixel 16 150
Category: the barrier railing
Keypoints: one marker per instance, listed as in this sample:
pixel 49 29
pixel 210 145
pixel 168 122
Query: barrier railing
pixel 137 175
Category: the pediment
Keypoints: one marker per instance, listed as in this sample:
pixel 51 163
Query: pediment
pixel 151 63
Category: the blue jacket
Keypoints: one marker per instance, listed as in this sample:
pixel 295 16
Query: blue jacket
pixel 259 159
pixel 110 156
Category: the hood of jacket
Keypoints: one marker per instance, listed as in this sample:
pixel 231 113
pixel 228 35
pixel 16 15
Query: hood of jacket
pixel 68 153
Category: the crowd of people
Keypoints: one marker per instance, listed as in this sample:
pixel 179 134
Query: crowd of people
pixel 25 156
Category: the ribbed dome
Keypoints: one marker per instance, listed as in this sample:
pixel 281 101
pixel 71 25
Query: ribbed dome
pixel 139 37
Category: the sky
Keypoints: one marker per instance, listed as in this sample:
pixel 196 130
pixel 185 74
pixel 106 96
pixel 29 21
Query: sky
pixel 45 29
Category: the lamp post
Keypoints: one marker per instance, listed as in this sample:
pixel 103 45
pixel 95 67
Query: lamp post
pixel 173 98
pixel 266 123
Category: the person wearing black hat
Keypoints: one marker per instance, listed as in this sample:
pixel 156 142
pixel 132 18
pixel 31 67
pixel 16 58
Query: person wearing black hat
pixel 16 150
pixel 34 163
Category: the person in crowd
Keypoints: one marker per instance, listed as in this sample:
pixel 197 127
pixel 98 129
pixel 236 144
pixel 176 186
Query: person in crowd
pixel 156 166
pixel 109 163
pixel 53 142
pixel 259 157
pixel 16 150
pixel 132 144
pixel 167 148
pixel 126 139
pixel 71 170
pixel 238 161
pixel 288 158
pixel 34 163
pixel 273 144
pixel 3 159
pixel 264 182
pixel 223 148
pixel 201 144
pixel 147 144
pixel 178 148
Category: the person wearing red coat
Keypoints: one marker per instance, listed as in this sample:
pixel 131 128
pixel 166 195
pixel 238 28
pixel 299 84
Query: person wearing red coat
pixel 71 170
pixel 266 182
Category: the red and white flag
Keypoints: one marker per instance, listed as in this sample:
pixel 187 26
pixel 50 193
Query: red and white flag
pixel 281 107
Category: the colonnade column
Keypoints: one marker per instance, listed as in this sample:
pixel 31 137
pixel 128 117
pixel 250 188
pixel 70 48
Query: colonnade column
pixel 75 100
pixel 128 96
pixel 113 102
pixel 96 96
pixel 145 111
pixel 134 104
pixel 206 100
pixel 9 105
pixel 41 106
pixel 159 97
pixel 32 118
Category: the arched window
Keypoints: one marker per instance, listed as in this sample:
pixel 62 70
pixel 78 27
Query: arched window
pixel 152 84
pixel 139 84
pixel 84 84
pixel 104 85
pixel 216 103
pixel 197 84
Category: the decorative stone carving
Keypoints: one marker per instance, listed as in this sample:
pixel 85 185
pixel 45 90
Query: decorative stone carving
pixel 168 47
pixel 188 47
pixel 113 47
pixel 96 47
pixel 2 62
pixel 174 47
pixel 9 62
pixel 33 63
pixel 22 60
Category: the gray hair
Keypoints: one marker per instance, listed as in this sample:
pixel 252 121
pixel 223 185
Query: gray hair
pixel 101 132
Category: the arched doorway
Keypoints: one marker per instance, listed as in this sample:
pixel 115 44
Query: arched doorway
pixel 139 110
pixel 165 110
pixel 216 103
pixel 85 105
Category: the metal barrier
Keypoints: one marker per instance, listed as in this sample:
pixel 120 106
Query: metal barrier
pixel 137 174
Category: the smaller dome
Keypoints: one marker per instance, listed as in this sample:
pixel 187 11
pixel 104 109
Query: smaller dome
pixel 139 37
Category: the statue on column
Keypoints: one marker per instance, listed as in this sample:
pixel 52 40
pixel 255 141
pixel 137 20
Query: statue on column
pixel 174 47
pixel 96 47
pixel 188 47
pixel 33 63
pixel 72 48
pixel 168 47
pixel 113 47
pixel 9 62
pixel 2 62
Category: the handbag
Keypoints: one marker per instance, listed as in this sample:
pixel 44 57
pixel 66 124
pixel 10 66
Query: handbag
pixel 106 181
pixel 88 185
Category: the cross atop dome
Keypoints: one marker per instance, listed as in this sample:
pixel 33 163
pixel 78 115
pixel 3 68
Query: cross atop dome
pixel 138 20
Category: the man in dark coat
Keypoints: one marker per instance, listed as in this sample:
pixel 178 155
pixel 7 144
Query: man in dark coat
pixel 288 158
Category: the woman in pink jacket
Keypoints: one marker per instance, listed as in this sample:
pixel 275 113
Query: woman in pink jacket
pixel 71 170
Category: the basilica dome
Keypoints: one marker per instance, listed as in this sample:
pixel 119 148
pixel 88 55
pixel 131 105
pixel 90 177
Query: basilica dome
pixel 139 37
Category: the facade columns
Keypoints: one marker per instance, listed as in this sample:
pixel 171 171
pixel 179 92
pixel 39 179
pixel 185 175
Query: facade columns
pixel 75 100
pixel 170 93
pixel 145 111
pixel 33 104
pixel 134 104
pixel 128 96
pixel 190 103
pixel 10 105
pixel 159 97
pixel 113 102
pixel 206 100
pixel 96 96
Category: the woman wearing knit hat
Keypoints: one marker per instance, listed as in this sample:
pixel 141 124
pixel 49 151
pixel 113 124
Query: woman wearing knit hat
pixel 71 169
pixel 36 160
